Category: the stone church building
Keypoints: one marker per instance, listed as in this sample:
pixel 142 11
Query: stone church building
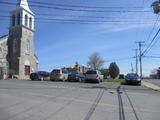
pixel 17 56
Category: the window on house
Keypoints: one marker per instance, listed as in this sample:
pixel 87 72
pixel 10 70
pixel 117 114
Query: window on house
pixel 18 19
pixel 30 22
pixel 13 20
pixel 26 20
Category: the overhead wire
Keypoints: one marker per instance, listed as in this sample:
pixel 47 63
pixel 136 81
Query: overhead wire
pixel 74 9
pixel 150 33
pixel 150 44
pixel 82 6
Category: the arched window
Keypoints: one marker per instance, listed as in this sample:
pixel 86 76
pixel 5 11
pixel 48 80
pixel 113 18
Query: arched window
pixel 13 20
pixel 26 20
pixel 18 19
pixel 30 22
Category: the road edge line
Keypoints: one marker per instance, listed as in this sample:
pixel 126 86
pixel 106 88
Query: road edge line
pixel 151 85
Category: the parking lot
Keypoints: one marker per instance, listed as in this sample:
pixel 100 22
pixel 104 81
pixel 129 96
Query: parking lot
pixel 45 100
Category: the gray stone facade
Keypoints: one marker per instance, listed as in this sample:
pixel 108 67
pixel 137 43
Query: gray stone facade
pixel 18 48
pixel 3 57
pixel 21 51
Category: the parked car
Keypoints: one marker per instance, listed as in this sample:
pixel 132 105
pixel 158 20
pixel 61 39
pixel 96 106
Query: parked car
pixel 59 74
pixel 121 76
pixel 40 75
pixel 76 77
pixel 94 76
pixel 132 78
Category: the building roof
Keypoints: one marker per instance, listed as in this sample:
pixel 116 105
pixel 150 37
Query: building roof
pixel 3 38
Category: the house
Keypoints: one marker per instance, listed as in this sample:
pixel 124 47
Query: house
pixel 155 74
pixel 76 67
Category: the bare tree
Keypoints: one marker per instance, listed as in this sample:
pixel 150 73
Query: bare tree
pixel 95 61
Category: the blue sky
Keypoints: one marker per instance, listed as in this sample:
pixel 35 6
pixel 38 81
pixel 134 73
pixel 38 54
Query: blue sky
pixel 59 45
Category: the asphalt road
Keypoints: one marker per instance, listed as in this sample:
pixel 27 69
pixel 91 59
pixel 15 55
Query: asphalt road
pixel 43 100
pixel 154 81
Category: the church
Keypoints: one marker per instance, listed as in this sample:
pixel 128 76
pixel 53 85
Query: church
pixel 17 55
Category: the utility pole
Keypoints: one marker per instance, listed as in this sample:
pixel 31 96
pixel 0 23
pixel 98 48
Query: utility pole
pixel 132 69
pixel 140 43
pixel 136 50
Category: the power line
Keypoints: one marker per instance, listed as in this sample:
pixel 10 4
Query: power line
pixel 149 36
pixel 152 57
pixel 148 47
pixel 153 44
pixel 77 20
pixel 73 9
pixel 79 16
pixel 80 6
pixel 120 59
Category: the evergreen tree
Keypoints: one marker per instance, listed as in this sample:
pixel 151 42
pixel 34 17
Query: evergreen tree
pixel 113 70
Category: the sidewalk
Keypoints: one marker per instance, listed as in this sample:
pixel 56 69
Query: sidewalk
pixel 155 85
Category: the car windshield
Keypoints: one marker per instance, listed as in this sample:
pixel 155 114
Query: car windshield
pixel 91 72
pixel 56 71
pixel 73 73
pixel 132 75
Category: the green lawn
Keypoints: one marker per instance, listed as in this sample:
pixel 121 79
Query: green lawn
pixel 114 80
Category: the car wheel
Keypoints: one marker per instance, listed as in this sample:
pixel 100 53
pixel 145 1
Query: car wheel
pixel 83 81
pixel 80 80
pixel 98 81
pixel 41 78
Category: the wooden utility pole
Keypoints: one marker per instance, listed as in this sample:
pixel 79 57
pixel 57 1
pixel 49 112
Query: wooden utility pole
pixel 140 43
pixel 136 50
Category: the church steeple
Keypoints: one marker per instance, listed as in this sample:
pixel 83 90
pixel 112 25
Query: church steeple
pixel 24 4
pixel 22 15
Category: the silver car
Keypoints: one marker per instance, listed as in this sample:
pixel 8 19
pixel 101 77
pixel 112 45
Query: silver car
pixel 94 76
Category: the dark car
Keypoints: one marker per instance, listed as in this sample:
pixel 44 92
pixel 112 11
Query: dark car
pixel 121 76
pixel 132 78
pixel 76 77
pixel 40 75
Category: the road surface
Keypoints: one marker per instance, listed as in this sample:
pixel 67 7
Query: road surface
pixel 44 100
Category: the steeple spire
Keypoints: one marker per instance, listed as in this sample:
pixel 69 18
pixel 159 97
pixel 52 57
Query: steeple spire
pixel 24 4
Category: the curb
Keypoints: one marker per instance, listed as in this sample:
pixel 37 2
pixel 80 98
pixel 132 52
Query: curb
pixel 150 85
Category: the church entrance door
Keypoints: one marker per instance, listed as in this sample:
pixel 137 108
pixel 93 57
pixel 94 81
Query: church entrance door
pixel 27 70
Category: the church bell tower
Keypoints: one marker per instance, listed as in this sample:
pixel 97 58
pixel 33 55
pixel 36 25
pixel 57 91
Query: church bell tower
pixel 21 56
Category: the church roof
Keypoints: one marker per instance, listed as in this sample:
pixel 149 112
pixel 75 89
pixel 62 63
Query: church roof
pixel 24 4
pixel 3 38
